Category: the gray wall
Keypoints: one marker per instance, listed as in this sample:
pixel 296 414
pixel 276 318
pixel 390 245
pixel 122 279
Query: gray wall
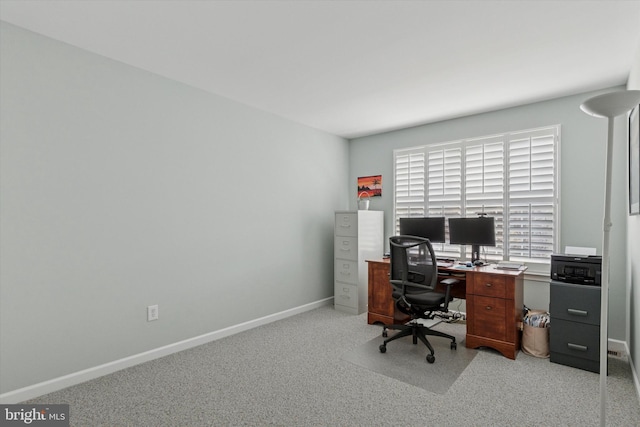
pixel 583 141
pixel 633 244
pixel 121 189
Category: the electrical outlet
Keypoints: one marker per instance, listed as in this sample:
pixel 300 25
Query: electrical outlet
pixel 152 313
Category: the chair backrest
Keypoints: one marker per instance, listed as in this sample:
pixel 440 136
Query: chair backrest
pixel 413 264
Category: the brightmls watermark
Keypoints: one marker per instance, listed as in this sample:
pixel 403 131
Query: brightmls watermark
pixel 34 415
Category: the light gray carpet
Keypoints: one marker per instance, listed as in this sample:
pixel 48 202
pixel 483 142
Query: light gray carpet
pixel 292 373
pixel 407 362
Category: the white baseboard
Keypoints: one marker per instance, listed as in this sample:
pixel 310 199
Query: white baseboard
pixel 55 384
pixel 617 346
pixel 636 379
pixel 622 349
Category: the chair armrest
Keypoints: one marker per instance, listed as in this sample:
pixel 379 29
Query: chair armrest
pixel 449 282
pixel 447 295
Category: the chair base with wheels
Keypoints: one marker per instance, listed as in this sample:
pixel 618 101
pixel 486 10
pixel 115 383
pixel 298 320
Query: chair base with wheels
pixel 417 331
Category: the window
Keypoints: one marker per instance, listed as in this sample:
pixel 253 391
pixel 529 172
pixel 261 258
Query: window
pixel 512 177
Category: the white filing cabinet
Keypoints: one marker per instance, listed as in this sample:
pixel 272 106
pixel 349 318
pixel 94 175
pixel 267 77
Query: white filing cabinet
pixel 358 236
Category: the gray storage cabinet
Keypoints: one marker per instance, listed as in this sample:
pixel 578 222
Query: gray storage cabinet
pixel 574 336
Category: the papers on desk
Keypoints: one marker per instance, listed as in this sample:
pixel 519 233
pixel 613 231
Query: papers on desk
pixel 463 267
pixel 505 265
pixel 444 264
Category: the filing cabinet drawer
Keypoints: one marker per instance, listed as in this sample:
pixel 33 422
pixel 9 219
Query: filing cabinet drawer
pixel 346 224
pixel 489 318
pixel 577 303
pixel 345 294
pixel 358 236
pixel 346 271
pixel 575 339
pixel 490 285
pixel 346 248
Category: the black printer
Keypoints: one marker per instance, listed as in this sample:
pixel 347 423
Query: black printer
pixel 578 269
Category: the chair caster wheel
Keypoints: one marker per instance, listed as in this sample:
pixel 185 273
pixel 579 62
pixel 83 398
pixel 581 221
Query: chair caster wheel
pixel 454 346
pixel 384 333
pixel 431 358
pixel 383 348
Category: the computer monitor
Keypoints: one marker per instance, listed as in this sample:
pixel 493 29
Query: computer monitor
pixel 476 232
pixel 431 228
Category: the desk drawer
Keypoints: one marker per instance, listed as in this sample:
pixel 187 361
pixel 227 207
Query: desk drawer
pixel 489 317
pixel 346 224
pixel 346 247
pixel 345 294
pixel 489 285
pixel 346 271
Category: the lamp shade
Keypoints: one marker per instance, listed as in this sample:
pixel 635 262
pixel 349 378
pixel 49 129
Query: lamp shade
pixel 611 104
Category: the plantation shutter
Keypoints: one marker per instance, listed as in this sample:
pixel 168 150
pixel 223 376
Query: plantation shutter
pixel 444 197
pixel 531 195
pixel 409 186
pixel 445 181
pixel 484 186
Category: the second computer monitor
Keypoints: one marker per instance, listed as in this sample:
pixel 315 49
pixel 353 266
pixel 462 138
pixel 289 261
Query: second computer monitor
pixel 472 231
pixel 431 228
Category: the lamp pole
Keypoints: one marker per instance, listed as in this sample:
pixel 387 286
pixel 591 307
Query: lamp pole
pixel 609 105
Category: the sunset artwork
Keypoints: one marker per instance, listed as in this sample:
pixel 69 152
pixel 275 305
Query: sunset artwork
pixel 370 185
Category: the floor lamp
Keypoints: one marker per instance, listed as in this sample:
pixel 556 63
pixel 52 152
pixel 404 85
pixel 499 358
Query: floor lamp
pixel 608 105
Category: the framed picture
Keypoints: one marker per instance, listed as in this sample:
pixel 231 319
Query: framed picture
pixel 370 186
pixel 634 161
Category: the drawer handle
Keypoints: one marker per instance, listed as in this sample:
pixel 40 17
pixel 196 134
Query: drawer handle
pixel 577 312
pixel 577 347
pixel 488 307
pixel 488 285
pixel 345 226
pixel 345 297
pixel 345 273
pixel 345 290
pixel 345 249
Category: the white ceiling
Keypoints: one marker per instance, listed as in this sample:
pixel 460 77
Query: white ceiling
pixel 355 68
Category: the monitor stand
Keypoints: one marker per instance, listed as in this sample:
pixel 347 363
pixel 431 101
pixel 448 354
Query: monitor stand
pixel 475 255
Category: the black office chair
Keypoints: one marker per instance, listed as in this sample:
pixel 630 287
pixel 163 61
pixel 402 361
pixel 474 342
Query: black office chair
pixel 414 275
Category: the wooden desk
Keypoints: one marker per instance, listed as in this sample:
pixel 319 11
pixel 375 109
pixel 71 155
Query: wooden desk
pixel 494 304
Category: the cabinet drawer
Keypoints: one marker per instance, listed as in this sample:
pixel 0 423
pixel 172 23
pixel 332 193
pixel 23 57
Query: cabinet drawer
pixel 346 248
pixel 489 317
pixel 489 285
pixel 578 303
pixel 346 271
pixel 345 294
pixel 346 224
pixel 575 339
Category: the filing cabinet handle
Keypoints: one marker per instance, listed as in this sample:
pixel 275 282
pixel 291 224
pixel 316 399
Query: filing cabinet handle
pixel 345 273
pixel 577 347
pixel 345 226
pixel 577 312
